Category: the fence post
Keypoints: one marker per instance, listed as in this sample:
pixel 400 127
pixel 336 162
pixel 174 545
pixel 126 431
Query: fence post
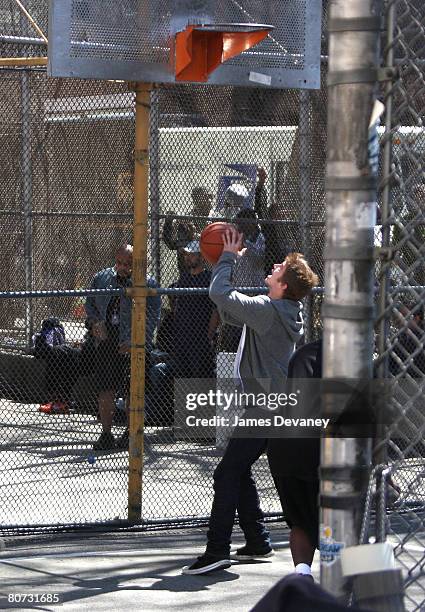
pixel 26 162
pixel 380 454
pixel 138 327
pixel 348 311
pixel 154 183
pixel 304 128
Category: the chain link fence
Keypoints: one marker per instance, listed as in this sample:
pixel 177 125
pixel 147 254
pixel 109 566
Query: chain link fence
pixel 18 36
pixel 66 208
pixel 67 191
pixel 236 156
pixel 401 307
pixel 66 200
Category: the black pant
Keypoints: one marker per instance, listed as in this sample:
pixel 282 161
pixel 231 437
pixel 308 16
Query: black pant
pixel 235 490
pixel 294 465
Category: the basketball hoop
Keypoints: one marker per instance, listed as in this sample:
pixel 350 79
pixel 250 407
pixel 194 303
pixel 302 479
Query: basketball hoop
pixel 200 49
pixel 192 41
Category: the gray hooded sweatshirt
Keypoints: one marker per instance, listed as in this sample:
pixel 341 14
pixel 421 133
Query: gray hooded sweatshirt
pixel 273 327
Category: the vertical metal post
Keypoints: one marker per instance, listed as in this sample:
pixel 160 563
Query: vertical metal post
pixel 349 290
pixel 154 183
pixel 139 293
pixel 380 456
pixel 304 131
pixel 26 190
pixel 386 211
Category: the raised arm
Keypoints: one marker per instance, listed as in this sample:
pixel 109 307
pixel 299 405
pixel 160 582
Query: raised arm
pixel 234 307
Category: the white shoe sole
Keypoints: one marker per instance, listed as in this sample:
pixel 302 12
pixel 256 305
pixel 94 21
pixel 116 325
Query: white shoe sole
pixel 222 564
pixel 253 557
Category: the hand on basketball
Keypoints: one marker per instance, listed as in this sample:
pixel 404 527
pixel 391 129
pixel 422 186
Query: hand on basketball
pixel 232 241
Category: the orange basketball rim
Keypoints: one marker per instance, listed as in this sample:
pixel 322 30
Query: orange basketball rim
pixel 200 49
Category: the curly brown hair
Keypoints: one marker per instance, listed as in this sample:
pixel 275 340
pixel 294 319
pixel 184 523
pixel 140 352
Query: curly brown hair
pixel 298 276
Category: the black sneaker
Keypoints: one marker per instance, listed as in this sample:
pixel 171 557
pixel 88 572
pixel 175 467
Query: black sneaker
pixel 205 564
pixel 106 441
pixel 250 553
pixel 122 442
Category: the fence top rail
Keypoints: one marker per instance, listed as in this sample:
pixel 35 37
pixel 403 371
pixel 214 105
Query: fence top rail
pixel 129 215
pixel 65 213
pixel 164 291
pixel 123 291
pixel 263 221
pixel 22 40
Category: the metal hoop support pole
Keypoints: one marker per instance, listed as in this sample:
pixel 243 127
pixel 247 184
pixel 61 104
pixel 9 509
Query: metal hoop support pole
pixel 139 294
pixel 349 265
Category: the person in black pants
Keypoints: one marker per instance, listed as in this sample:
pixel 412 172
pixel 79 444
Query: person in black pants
pixel 271 327
pixel 294 464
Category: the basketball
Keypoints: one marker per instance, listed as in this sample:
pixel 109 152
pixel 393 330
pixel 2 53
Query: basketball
pixel 211 241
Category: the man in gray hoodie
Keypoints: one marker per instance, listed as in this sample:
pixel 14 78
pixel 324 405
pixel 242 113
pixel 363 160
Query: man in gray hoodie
pixel 271 327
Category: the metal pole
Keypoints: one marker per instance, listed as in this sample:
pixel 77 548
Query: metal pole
pixel 139 293
pixel 348 309
pixel 26 162
pixel 22 40
pixel 32 21
pixel 23 61
pixel 385 212
pixel 154 183
pixel 305 192
pixel 380 456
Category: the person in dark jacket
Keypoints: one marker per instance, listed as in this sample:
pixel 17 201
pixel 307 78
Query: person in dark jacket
pixel 294 464
pixel 271 327
pixel 194 320
pixel 109 324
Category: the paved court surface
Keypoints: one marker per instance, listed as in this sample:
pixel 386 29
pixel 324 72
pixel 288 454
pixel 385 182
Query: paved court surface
pixel 135 571
pixel 46 460
pixel 142 571
pixel 46 477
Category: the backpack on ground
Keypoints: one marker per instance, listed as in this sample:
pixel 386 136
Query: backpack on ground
pixel 52 333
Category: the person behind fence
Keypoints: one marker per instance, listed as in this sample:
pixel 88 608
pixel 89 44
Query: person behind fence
pixel 187 333
pixel 407 363
pixel 177 233
pixel 409 235
pixel 195 320
pixel 271 327
pixel 235 199
pixel 408 353
pixel 109 325
pixel 275 249
pixel 201 199
pixel 249 267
